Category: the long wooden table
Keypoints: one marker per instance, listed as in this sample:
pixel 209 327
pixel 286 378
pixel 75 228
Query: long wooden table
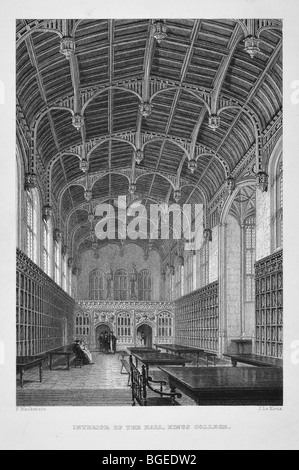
pixel 29 362
pixel 227 386
pixel 66 351
pixel 254 360
pixel 158 359
pixel 178 349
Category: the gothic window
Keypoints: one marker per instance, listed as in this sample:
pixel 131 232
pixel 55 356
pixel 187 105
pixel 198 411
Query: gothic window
pixel 279 205
pixel 189 273
pixel 69 282
pixel 64 273
pixel 47 247
pixel 120 285
pixel 204 263
pixel 124 325
pixel 249 227
pixel 165 325
pixel 32 208
pixel 57 263
pixel 96 285
pixel 82 324
pixel 145 285
pixel 177 281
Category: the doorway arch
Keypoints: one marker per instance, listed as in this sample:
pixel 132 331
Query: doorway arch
pixel 146 332
pixel 101 329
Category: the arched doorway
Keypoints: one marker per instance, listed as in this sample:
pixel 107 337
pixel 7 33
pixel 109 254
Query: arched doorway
pixel 101 330
pixel 145 336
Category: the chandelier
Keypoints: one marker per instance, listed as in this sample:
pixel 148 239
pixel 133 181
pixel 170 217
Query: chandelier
pixel 177 195
pixel 159 31
pixel 84 166
pixel 252 46
pixel 214 122
pixel 146 109
pixel 132 188
pixel 192 165
pixel 78 121
pixel 67 46
pixel 88 195
pixel 138 156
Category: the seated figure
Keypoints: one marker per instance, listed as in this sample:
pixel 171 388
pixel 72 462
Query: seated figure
pixel 82 352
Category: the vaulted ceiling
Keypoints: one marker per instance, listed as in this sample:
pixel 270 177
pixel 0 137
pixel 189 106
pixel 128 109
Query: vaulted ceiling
pixel 113 67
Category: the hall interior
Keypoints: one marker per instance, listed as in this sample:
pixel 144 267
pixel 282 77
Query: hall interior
pixel 149 208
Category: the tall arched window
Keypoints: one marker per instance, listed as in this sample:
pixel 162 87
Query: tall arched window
pixel 279 204
pixel 96 285
pixel 64 273
pixel 177 280
pixel 69 284
pixel 249 227
pixel 145 285
pixel 189 272
pixel 57 263
pixel 32 229
pixel 47 239
pixel 120 285
pixel 204 264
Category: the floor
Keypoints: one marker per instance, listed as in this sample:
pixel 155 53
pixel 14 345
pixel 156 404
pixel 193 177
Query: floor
pixel 100 384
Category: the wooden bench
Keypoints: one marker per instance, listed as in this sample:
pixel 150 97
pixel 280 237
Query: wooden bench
pixel 254 360
pixel 141 384
pixel 125 365
pixel 123 354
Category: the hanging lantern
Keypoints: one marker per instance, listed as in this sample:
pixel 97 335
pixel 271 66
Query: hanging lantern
pixel 91 217
pixel 132 188
pixel 84 166
pixel 88 195
pixel 262 181
pixel 78 121
pixel 214 122
pixel 192 165
pixel 146 109
pixel 252 46
pixel 67 46
pixel 159 31
pixel 177 195
pixel 138 156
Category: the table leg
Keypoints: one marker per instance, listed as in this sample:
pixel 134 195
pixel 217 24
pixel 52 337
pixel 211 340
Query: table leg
pixel 41 372
pixel 207 361
pixel 50 362
pixel 68 363
pixel 22 377
pixel 197 357
pixel 214 361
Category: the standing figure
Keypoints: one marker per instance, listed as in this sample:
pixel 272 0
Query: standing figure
pixel 143 339
pixel 106 343
pixel 101 340
pixel 114 343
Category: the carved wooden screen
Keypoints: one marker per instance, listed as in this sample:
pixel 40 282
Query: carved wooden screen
pixel 41 310
pixel 269 306
pixel 197 319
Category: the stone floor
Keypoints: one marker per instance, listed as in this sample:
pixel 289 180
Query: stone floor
pixel 100 384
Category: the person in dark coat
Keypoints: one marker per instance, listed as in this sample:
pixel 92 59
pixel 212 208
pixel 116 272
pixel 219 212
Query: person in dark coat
pixel 114 343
